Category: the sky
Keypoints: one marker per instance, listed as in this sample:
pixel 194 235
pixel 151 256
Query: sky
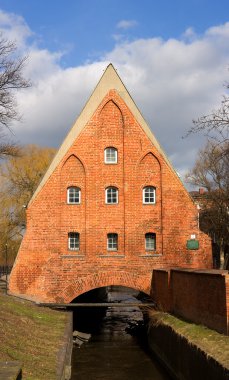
pixel 173 57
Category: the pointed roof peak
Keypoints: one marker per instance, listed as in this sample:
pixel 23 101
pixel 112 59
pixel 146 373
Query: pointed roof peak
pixel 110 80
pixel 110 66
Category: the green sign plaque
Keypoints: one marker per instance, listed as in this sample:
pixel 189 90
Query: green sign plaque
pixel 192 244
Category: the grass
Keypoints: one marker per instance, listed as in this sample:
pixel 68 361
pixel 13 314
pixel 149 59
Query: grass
pixel 31 335
pixel 211 342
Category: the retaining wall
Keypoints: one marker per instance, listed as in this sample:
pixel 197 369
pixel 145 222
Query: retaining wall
pixel 200 296
pixel 65 353
pixel 183 360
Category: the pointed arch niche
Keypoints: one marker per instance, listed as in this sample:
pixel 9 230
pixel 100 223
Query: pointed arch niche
pixel 73 215
pixel 149 171
pixel 111 123
pixel 110 133
pixel 149 175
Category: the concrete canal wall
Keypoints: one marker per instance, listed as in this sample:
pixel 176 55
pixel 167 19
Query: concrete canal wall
pixel 183 360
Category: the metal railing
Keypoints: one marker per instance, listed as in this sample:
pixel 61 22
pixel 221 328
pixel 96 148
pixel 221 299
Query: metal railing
pixel 5 270
pixel 4 276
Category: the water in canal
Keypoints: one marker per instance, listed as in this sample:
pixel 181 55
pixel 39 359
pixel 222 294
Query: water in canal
pixel 117 349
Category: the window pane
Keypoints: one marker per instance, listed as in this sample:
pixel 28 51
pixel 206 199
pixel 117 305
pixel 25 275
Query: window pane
pixel 73 241
pixel 112 242
pixel 73 195
pixel 111 155
pixel 150 242
pixel 149 194
pixel 111 195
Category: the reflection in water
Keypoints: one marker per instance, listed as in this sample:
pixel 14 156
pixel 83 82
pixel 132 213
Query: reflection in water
pixel 116 350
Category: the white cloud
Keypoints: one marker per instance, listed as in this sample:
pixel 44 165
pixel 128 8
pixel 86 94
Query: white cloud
pixel 126 24
pixel 14 28
pixel 172 81
pixel 219 30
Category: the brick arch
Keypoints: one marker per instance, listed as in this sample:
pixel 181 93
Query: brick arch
pixel 72 173
pixel 73 157
pixel 110 123
pixel 112 104
pixel 146 157
pixel 149 170
pixel 149 173
pixel 141 282
pixel 72 219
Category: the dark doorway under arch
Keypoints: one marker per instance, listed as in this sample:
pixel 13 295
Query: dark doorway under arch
pixel 87 319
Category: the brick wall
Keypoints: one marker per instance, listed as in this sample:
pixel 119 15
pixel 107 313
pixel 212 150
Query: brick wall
pixel 160 289
pixel 196 295
pixel 46 270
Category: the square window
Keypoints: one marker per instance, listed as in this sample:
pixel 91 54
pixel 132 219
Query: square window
pixel 73 195
pixel 150 242
pixel 111 156
pixel 73 241
pixel 112 242
pixel 111 195
pixel 149 195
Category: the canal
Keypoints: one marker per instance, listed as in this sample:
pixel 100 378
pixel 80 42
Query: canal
pixel 117 349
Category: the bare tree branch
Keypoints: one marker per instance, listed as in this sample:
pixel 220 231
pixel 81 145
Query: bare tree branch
pixel 215 126
pixel 211 172
pixel 11 80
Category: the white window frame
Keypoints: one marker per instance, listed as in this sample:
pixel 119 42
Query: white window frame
pixel 68 195
pixel 113 188
pixel 73 237
pixel 145 195
pixel 106 159
pixel 150 241
pixel 112 241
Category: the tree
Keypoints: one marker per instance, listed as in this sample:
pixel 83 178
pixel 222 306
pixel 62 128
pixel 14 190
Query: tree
pixel 19 178
pixel 11 80
pixel 215 125
pixel 211 172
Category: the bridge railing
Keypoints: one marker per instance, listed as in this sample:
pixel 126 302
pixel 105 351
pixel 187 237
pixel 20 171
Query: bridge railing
pixel 4 276
pixel 5 270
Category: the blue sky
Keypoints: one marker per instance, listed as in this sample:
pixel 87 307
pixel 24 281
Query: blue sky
pixel 88 28
pixel 173 57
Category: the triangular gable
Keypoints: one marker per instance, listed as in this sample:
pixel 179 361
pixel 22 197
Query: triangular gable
pixel 110 80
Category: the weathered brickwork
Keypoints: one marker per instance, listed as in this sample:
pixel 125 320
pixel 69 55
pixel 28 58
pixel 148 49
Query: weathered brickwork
pixel 47 270
pixel 200 296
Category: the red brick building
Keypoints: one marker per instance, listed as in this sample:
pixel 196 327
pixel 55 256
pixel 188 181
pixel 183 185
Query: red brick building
pixel 110 208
